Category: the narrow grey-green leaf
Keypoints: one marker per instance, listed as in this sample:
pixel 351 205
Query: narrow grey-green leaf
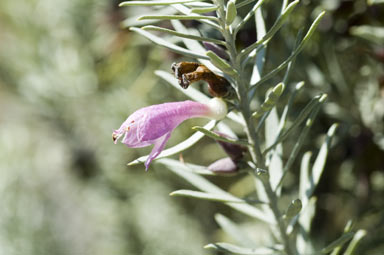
pixel 338 242
pixel 305 217
pixel 355 241
pixel 198 5
pixel 187 11
pixel 179 147
pixel 183 35
pixel 234 249
pixel 178 17
pixel 319 164
pixel 278 24
pixel 233 230
pixel 248 16
pixel 154 3
pixel 258 64
pixel 220 63
pixel 231 12
pixel 371 33
pixel 347 228
pixel 206 186
pixel 301 139
pixel 372 2
pixel 220 138
pixel 270 101
pixel 303 115
pixel 293 54
pixel 207 196
pixel 159 41
pixel 244 3
pixel 204 9
pixel 133 22
pixel 275 166
pixel 304 176
pixel 293 209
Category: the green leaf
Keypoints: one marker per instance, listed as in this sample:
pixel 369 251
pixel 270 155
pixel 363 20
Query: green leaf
pixel 179 147
pixel 221 63
pixel 305 219
pixel 248 16
pixel 233 230
pixel 188 11
pixel 347 228
pixel 234 249
pixel 303 115
pixel 302 137
pixel 304 176
pixel 293 209
pixel 275 166
pixel 259 61
pixel 220 138
pixel 183 35
pixel 258 66
pixel 287 108
pixel 198 5
pixel 278 24
pixel 355 241
pixel 133 22
pixel 307 215
pixel 201 170
pixel 207 196
pixel 372 2
pixel 204 9
pixel 374 34
pixel 159 41
pixel 244 3
pixel 154 3
pixel 270 101
pixel 231 12
pixel 338 242
pixel 293 54
pixel 319 164
pixel 206 186
pixel 178 17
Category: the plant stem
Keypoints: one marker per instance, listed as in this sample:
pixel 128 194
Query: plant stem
pixel 254 147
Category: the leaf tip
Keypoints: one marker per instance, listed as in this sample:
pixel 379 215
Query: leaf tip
pixel 122 4
pixel 132 163
pixel 278 89
pixel 300 85
pixel 209 246
pixel 323 98
pixel 333 129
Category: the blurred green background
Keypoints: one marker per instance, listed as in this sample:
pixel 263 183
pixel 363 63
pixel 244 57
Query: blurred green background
pixel 69 76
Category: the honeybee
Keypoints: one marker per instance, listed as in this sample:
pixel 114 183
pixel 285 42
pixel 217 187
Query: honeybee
pixel 189 72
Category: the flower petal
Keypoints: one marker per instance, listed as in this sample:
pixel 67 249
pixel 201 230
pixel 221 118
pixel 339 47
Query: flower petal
pixel 159 146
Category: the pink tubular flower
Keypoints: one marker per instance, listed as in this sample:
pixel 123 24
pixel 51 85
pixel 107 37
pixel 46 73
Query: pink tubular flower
pixel 154 124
